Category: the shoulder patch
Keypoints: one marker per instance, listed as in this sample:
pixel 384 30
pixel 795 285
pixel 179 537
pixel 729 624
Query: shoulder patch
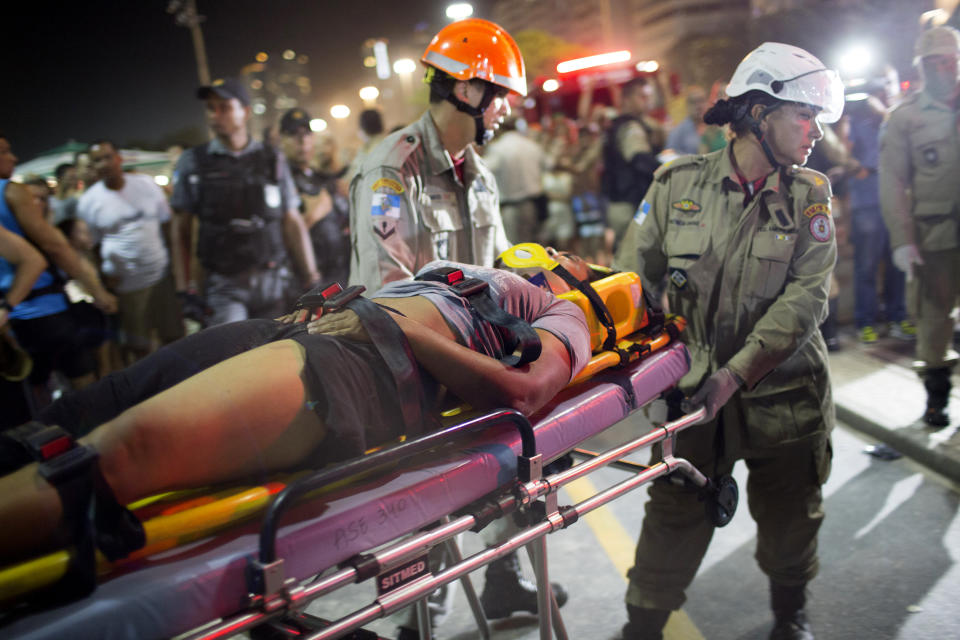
pixel 814 209
pixel 680 162
pixel 389 184
pixel 820 228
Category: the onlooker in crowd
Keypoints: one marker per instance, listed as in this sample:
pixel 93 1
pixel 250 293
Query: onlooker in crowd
pixel 630 156
pixel 830 156
pixel 919 165
pixel 324 210
pixel 109 358
pixel 586 201
pixel 44 323
pixel 20 267
pixel 559 139
pixel 127 215
pixel 870 237
pixel 517 164
pixel 86 175
pixel 39 188
pixel 64 202
pixel 687 136
pixel 371 133
pixel 744 241
pixel 425 194
pixel 246 205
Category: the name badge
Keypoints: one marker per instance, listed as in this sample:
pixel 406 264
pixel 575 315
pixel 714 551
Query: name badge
pixel 271 195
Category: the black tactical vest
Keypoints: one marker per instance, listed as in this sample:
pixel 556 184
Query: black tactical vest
pixel 621 181
pixel 240 211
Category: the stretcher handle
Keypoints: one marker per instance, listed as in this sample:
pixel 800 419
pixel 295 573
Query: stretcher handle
pixel 268 530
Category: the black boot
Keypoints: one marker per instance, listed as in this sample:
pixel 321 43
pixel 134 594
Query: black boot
pixel 506 591
pixel 644 624
pixel 937 383
pixel 790 619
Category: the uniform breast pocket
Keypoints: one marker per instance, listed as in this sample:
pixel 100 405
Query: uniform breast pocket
pixel 441 218
pixel 684 247
pixel 483 204
pixel 768 264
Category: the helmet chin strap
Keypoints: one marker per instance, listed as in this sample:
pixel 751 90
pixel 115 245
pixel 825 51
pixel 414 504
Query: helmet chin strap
pixel 761 138
pixel 482 134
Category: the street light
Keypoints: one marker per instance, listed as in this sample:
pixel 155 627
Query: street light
pixel 459 10
pixel 551 85
pixel 369 94
pixel 340 111
pixel 404 65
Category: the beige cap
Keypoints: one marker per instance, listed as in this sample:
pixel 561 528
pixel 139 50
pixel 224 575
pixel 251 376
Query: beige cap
pixel 943 41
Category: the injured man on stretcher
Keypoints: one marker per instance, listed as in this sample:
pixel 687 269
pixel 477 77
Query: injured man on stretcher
pixel 246 399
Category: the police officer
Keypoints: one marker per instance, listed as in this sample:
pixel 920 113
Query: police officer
pixel 324 208
pixel 630 155
pixel 919 164
pixel 744 241
pixel 423 193
pixel 246 204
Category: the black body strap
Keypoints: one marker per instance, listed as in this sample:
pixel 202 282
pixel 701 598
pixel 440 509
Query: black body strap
pixel 599 308
pixel 386 337
pixel 522 337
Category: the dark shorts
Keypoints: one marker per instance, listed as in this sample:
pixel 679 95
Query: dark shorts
pixel 64 341
pixel 354 391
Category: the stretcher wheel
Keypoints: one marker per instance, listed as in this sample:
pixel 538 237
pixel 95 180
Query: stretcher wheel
pixel 721 503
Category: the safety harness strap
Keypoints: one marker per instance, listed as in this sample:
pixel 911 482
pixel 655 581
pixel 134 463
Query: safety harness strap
pixel 396 352
pixel 521 337
pixel 387 338
pixel 603 314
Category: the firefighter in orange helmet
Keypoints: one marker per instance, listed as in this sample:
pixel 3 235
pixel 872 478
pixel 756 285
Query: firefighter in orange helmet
pixel 424 193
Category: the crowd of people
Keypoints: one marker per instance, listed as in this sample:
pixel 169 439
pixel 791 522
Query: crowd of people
pixel 715 211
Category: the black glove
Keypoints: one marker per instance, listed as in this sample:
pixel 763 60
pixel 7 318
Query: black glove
pixel 713 394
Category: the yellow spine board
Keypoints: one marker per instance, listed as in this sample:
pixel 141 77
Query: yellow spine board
pixel 622 294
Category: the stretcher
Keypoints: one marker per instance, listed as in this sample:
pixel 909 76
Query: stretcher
pixel 366 519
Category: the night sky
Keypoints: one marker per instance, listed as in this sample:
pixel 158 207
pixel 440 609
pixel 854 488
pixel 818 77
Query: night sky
pixel 124 70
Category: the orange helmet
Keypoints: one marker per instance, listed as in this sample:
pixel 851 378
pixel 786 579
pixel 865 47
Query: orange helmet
pixel 475 48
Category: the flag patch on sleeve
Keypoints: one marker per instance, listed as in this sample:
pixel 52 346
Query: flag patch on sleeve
pixel 385 204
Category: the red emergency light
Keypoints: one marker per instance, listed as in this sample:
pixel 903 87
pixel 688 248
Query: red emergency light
pixel 589 62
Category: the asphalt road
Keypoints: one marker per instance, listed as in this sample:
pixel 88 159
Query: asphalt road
pixel 890 562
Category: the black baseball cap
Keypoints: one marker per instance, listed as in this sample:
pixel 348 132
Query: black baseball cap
pixel 293 119
pixel 226 88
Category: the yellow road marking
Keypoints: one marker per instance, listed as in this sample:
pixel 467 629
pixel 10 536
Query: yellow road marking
pixel 619 547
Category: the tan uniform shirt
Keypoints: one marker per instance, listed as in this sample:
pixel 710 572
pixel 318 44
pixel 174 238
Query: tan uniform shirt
pixel 919 167
pixel 407 208
pixel 752 282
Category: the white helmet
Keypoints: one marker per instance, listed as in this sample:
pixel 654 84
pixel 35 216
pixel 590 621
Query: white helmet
pixel 791 74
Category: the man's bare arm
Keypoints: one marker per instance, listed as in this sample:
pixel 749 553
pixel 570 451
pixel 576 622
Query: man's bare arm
pixel 55 246
pixel 298 243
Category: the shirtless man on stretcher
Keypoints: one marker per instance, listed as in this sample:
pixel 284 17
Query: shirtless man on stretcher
pixel 275 395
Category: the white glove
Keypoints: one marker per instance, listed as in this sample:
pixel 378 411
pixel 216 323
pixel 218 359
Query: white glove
pixel 714 393
pixel 905 257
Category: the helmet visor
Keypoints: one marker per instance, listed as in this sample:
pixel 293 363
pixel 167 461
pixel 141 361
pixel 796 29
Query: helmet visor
pixel 822 88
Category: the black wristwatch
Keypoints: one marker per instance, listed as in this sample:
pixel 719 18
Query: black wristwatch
pixel 5 305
